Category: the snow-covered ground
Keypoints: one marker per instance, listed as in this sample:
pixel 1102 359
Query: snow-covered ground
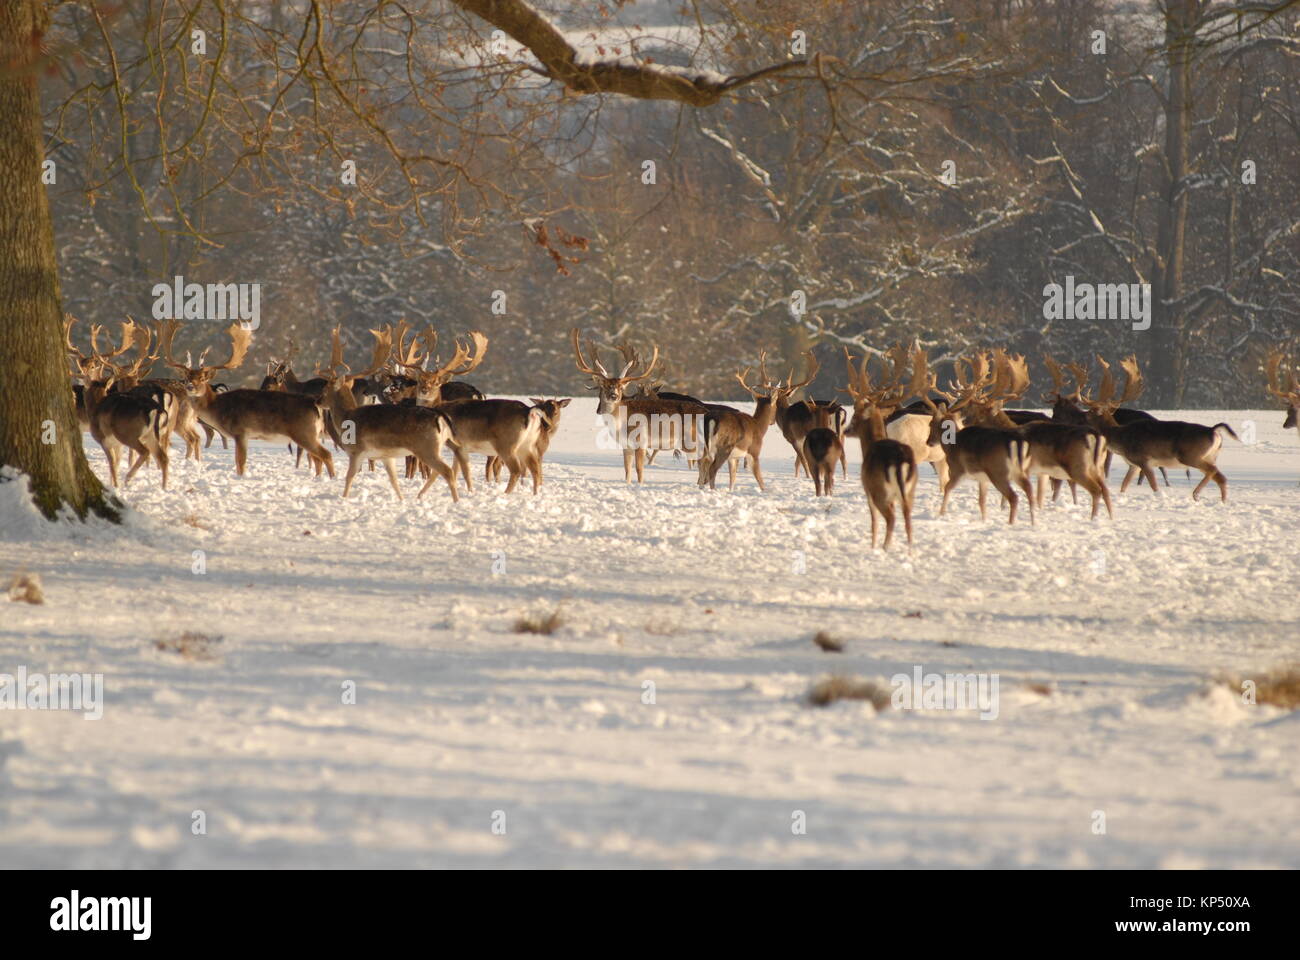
pixel 470 744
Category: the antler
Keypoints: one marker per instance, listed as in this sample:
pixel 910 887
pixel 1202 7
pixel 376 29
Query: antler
pixel 1272 366
pixel 584 364
pixel 1133 383
pixel 811 371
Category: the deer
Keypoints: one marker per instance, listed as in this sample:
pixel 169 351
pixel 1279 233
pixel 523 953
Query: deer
pixel 171 392
pixel 889 473
pixel 245 414
pixel 383 431
pixel 119 419
pixel 1150 443
pixel 1057 451
pixel 550 411
pixel 823 448
pixel 640 424
pixel 796 419
pixel 1289 394
pixel 990 455
pixel 730 434
pixel 506 429
pixel 1065 408
pixel 912 425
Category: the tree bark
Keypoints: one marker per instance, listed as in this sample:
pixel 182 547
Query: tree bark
pixel 39 434
pixel 1167 360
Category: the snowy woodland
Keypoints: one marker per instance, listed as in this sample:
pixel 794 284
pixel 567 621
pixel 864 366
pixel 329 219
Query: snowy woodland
pixel 373 378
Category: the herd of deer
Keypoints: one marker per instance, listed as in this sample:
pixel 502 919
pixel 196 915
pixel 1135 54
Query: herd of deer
pixel 404 403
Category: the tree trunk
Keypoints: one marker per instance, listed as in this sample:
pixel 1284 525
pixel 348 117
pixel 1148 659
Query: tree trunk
pixel 1167 360
pixel 39 434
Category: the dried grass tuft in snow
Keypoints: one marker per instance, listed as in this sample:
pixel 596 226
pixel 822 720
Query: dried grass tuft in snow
pixel 1278 687
pixel 828 643
pixel 535 623
pixel 189 646
pixel 839 687
pixel 27 588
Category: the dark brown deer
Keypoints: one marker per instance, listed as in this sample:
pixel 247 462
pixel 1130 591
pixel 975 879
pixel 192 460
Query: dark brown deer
pixel 888 467
pixel 989 455
pixel 823 449
pixel 119 419
pixel 1151 443
pixel 245 415
pixel 383 431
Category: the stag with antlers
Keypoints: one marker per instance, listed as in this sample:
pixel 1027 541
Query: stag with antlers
pixel 137 422
pixel 245 415
pixel 640 424
pixel 730 435
pixel 1280 368
pixel 888 467
pixel 1151 443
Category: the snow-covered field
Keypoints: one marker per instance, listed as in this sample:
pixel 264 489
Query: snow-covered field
pixel 470 744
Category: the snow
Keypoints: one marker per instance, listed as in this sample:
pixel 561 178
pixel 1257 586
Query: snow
pixel 1105 637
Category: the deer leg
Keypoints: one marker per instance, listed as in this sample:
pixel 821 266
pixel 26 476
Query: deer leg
pixel 829 482
pixel 1165 475
pixel 1074 493
pixel 354 464
pixel 1151 479
pixel 462 463
pixel 392 476
pixel 241 454
pixel 142 457
pixel 164 461
pixel 1128 477
pixel 1029 497
pixel 440 469
pixel 1105 471
pixel 516 471
pixel 817 481
pixel 947 491
pixel 871 505
pixel 984 489
pixel 906 507
pixel 1211 473
pixel 888 510
pixel 640 464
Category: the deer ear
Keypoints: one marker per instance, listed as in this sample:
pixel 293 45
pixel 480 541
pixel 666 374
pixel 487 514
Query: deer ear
pixel 565 402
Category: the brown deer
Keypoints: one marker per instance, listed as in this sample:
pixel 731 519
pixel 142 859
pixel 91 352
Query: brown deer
pixel 990 455
pixel 244 414
pixel 1151 443
pixel 640 424
pixel 119 419
pixel 730 434
pixel 796 419
pixel 1057 451
pixel 550 411
pixel 822 450
pixel 888 467
pixel 383 431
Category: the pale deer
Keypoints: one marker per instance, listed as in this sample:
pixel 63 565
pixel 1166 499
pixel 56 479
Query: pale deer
pixel 1288 394
pixel 244 414
pixel 730 435
pixel 119 419
pixel 640 424
pixel 1151 443
pixel 889 473
pixel 383 431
